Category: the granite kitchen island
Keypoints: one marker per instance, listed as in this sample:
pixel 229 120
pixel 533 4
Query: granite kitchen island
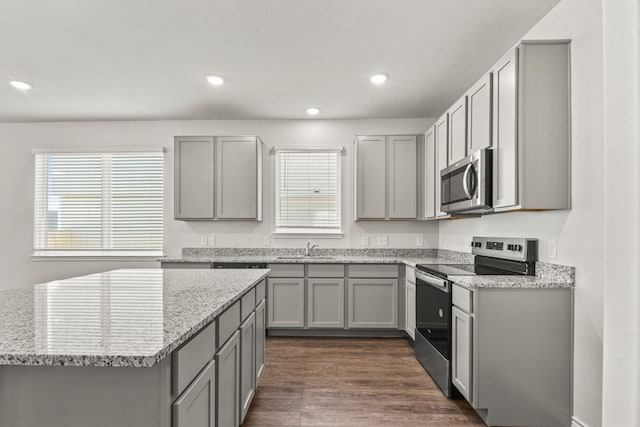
pixel 136 347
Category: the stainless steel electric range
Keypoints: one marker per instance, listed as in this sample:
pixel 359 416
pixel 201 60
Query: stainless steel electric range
pixel 493 256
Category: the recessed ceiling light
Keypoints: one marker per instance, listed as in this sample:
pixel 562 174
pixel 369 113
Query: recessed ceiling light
pixel 215 80
pixel 20 85
pixel 313 111
pixel 378 79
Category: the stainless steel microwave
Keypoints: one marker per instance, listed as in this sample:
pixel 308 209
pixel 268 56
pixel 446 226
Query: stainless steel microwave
pixel 466 185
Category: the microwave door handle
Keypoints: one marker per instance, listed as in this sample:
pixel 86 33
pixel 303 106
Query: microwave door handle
pixel 465 180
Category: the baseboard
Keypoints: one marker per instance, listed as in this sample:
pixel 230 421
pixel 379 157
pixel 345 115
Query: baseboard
pixel 577 423
pixel 362 333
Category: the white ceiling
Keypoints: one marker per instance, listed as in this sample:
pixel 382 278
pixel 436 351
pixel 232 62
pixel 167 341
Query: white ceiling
pixel 146 59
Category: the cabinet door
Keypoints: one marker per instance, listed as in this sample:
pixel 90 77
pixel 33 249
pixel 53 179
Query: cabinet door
pixel 247 364
pixel 430 173
pixel 441 141
pixel 261 334
pixel 197 405
pixel 193 177
pixel 410 309
pixel 373 303
pixel 286 303
pixel 479 115
pixel 458 131
pixel 505 139
pixel 238 160
pixel 228 386
pixel 325 303
pixel 371 177
pixel 461 358
pixel 403 177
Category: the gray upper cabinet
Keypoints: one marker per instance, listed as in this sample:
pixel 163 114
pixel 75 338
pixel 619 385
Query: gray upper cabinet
pixel 386 177
pixel 325 303
pixel 442 145
pixel 218 178
pixel 531 127
pixel 403 177
pixel 429 177
pixel 238 178
pixel 479 115
pixel 505 106
pixel 457 149
pixel 194 177
pixel 370 170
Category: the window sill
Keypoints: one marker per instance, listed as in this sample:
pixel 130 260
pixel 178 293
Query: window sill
pixel 97 255
pixel 305 234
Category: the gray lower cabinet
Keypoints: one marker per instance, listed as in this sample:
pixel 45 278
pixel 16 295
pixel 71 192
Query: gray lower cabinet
pixel 410 309
pixel 261 335
pixel 373 303
pixel 247 364
pixel 228 384
pixel 286 303
pixel 325 303
pixel 196 407
pixel 461 347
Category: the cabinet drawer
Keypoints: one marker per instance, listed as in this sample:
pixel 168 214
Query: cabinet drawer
pixel 189 360
pixel 286 270
pixel 248 303
pixel 228 323
pixel 410 274
pixel 260 292
pixel 462 298
pixel 326 270
pixel 373 270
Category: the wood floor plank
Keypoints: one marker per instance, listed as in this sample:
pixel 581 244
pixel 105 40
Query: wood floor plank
pixel 346 382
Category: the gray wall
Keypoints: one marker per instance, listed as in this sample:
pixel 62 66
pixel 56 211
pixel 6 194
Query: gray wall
pixel 16 186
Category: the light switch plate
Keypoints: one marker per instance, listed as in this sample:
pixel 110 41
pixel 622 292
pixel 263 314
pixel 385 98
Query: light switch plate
pixel 383 240
pixel 203 240
pixel 365 240
pixel 211 240
pixel 266 240
pixel 419 240
pixel 552 249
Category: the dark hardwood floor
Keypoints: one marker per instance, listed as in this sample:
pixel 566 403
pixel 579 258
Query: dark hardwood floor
pixel 350 382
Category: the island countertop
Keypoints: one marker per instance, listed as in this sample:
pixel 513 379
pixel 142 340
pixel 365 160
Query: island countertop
pixel 120 318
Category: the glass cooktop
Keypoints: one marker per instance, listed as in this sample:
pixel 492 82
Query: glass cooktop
pixel 446 270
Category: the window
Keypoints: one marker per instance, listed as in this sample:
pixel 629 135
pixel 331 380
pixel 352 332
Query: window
pixel 101 203
pixel 308 191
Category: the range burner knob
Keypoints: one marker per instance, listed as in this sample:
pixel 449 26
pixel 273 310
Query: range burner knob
pixel 518 248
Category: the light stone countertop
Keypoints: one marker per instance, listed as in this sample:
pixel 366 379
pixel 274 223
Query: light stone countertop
pixel 123 318
pixel 511 282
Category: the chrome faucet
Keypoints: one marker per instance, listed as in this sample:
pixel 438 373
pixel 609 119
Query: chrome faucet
pixel 309 249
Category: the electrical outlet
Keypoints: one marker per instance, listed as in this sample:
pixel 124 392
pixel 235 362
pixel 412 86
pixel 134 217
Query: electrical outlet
pixel 383 240
pixel 266 240
pixel 552 249
pixel 203 240
pixel 211 240
pixel 419 240
pixel 365 240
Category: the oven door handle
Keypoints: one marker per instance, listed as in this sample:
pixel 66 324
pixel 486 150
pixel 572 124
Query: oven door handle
pixel 465 180
pixel 433 281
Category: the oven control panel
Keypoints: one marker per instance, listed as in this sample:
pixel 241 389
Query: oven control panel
pixel 513 248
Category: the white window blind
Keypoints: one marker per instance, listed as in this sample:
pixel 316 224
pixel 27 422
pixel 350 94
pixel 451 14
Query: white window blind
pixel 99 201
pixel 308 191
